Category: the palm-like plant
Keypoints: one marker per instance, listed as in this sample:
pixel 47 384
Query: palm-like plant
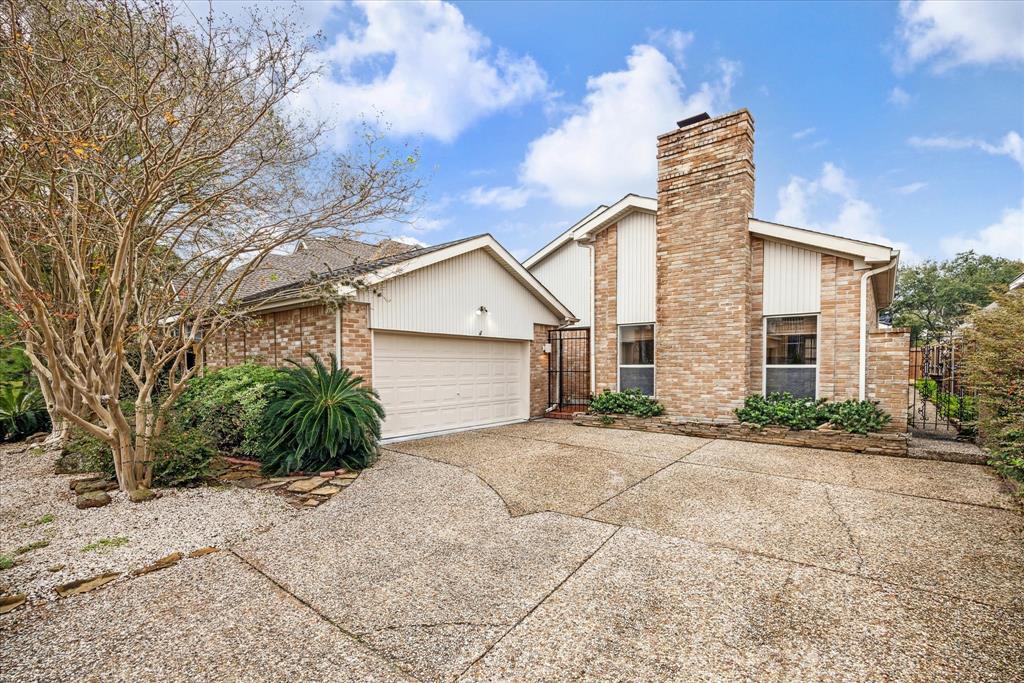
pixel 323 419
pixel 21 411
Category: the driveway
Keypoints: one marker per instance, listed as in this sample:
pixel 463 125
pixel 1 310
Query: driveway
pixel 545 551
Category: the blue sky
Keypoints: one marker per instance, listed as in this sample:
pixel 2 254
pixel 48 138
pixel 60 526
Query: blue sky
pixel 893 122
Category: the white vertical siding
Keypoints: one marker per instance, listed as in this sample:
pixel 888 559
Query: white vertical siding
pixel 444 299
pixel 566 274
pixel 792 279
pixel 636 238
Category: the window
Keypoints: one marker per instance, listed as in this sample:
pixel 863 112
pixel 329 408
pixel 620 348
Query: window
pixel 636 358
pixel 791 355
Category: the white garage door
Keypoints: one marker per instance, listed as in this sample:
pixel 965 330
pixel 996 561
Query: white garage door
pixel 429 384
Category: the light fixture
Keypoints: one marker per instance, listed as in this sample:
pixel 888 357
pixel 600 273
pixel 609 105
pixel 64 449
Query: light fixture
pixel 481 310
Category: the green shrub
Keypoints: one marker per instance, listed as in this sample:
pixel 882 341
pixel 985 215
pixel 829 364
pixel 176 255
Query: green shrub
pixel 322 419
pixel 6 562
pixel 104 543
pixel 22 411
pixel 180 456
pixel 783 409
pixel 858 417
pixel 230 406
pixel 628 402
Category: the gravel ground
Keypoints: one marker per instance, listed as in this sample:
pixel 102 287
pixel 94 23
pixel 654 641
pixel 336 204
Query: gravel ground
pixel 181 520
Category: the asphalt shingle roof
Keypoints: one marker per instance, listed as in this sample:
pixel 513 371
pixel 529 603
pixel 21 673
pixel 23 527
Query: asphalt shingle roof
pixel 326 259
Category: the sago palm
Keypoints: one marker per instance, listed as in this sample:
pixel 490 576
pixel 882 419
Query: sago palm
pixel 323 419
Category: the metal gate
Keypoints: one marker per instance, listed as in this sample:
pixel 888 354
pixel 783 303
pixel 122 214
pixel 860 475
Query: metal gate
pixel 941 401
pixel 569 368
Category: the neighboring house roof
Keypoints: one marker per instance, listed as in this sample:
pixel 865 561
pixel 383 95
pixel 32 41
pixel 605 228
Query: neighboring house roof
pixel 372 272
pixel 313 255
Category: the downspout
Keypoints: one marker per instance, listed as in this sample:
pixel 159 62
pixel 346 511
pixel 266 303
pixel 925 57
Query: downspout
pixel 589 246
pixel 864 323
pixel 337 333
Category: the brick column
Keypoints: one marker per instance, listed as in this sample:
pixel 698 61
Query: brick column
pixel 888 366
pixel 705 198
pixel 539 370
pixel 356 341
pixel 605 326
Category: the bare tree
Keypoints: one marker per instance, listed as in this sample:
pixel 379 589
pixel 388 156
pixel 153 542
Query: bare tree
pixel 149 167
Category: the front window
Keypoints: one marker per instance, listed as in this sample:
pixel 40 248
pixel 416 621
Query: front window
pixel 791 355
pixel 636 358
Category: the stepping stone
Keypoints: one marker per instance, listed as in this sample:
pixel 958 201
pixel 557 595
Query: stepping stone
pixel 326 490
pixel 311 503
pixel 86 585
pixel 11 602
pixel 338 481
pixel 250 482
pixel 306 485
pixel 273 484
pixel 203 551
pixel 162 563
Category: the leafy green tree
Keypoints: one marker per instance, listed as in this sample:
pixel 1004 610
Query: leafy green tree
pixel 934 297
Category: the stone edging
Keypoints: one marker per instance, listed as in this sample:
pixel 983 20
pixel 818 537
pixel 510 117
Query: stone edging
pixel 894 444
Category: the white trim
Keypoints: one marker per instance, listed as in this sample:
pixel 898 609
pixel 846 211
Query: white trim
pixel 456 430
pixel 613 214
pixel 618 356
pixel 864 253
pixel 593 312
pixel 486 242
pixel 553 246
pixel 817 350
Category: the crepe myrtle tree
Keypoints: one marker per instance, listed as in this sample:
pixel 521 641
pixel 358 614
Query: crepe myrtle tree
pixel 149 165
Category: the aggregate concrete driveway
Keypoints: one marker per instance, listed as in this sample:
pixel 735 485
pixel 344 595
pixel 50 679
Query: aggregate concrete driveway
pixel 545 551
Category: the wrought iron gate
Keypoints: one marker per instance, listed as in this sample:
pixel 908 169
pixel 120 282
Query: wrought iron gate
pixel 569 368
pixel 941 401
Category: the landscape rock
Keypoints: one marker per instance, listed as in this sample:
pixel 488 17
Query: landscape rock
pixel 203 551
pixel 141 495
pixel 89 485
pixel 326 490
pixel 11 602
pixel 92 499
pixel 311 503
pixel 86 585
pixel 305 485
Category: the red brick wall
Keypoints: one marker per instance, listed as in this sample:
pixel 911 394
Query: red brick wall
pixel 539 370
pixel 606 330
pixel 356 340
pixel 273 338
pixel 705 196
pixel 887 368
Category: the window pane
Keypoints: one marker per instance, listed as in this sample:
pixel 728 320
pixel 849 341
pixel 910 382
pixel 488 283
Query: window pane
pixel 797 381
pixel 637 378
pixel 636 345
pixel 792 341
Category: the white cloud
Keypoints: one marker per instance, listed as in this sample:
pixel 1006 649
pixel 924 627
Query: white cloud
pixel 606 147
pixel 409 239
pixel 505 198
pixel 421 68
pixel 674 41
pixel 1004 238
pixel 428 224
pixel 949 34
pixel 1012 145
pixel 910 188
pixel 801 134
pixel 830 203
pixel 899 97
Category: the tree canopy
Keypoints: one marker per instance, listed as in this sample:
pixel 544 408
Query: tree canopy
pixel 934 297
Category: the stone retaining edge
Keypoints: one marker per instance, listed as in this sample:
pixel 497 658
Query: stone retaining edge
pixel 892 444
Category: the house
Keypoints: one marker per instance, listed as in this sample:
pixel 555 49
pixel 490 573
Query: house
pixel 690 299
pixel 452 336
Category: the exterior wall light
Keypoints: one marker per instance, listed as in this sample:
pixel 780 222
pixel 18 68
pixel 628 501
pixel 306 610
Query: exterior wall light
pixel 481 310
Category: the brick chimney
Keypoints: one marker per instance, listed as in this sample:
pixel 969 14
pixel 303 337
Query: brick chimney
pixel 705 196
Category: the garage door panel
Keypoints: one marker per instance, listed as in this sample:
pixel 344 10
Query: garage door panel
pixel 439 383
